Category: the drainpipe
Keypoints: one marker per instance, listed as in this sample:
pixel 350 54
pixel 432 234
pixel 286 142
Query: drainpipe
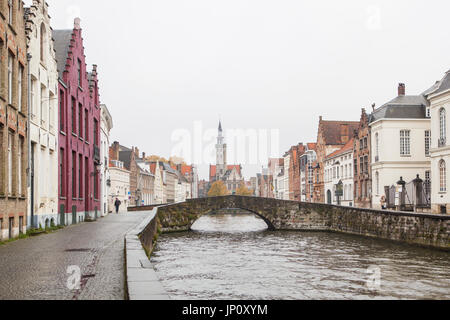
pixel 30 209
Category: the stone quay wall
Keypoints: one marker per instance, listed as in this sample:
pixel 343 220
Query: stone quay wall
pixel 413 228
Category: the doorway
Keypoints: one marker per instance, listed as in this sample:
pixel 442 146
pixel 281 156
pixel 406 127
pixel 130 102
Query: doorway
pixel 33 147
pixel 329 197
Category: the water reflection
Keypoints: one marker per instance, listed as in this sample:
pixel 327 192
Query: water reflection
pixel 227 223
pixel 221 260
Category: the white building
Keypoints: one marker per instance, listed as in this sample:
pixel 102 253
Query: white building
pixel 439 98
pixel 120 186
pixel 338 173
pixel 287 163
pixel 400 135
pixel 43 95
pixel 106 125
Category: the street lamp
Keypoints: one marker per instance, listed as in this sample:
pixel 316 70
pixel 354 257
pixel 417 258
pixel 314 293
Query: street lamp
pixel 402 184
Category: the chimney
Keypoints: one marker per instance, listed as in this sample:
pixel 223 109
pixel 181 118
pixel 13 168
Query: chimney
pixel 373 106
pixel 401 89
pixel 143 155
pixel 320 118
pixel 77 24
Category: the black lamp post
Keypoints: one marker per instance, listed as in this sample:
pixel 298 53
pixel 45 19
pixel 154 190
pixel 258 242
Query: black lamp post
pixel 402 184
pixel 418 187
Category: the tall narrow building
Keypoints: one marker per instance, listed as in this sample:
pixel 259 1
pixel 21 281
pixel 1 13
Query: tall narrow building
pixel 43 189
pixel 221 154
pixel 13 120
pixel 79 131
pixel 231 175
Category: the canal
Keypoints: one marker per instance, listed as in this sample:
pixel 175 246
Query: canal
pixel 235 257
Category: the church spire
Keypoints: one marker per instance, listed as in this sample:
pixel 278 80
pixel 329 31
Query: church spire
pixel 220 126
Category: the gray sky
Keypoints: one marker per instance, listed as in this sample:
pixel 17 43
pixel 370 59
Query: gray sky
pixel 257 63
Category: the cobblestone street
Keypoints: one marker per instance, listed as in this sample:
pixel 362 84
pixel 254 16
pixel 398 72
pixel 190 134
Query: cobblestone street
pixel 36 268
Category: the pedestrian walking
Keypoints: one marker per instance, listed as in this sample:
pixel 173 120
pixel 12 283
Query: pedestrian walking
pixel 117 204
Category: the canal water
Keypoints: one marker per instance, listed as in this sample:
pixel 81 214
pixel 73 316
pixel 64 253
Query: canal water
pixel 235 257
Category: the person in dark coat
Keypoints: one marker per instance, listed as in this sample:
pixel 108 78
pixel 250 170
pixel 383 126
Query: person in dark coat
pixel 117 204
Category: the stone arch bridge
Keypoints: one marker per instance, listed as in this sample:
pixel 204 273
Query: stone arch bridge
pixel 422 229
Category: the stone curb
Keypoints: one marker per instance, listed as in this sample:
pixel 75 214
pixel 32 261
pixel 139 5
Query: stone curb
pixel 142 280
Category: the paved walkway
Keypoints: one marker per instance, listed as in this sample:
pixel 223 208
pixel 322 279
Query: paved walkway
pixel 36 268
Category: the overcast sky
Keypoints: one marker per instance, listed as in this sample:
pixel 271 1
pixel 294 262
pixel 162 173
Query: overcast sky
pixel 256 63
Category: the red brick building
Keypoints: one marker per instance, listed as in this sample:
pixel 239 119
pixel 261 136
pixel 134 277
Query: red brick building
pixel 294 171
pixel 362 162
pixel 331 136
pixel 13 120
pixel 79 137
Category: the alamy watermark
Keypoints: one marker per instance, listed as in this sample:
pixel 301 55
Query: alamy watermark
pixel 244 146
pixel 373 282
pixel 74 279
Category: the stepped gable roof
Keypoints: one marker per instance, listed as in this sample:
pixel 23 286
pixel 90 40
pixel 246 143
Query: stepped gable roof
pixel 62 46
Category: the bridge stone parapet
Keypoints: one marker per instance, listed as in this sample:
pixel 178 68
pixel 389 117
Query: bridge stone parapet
pixel 414 228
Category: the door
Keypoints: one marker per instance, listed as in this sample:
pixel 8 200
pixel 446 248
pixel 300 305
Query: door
pixel 11 226
pixel 329 197
pixel 86 187
pixel 33 145
pixel 74 215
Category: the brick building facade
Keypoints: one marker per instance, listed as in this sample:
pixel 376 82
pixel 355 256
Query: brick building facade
pixel 79 137
pixel 362 163
pixel 13 120
pixel 331 136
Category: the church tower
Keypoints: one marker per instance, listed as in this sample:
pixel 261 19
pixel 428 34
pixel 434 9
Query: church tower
pixel 221 154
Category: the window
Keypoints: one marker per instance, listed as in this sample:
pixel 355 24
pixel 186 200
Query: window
pixel 405 143
pixel 43 108
pixel 20 87
pixel 443 176
pixel 86 125
pixel 355 165
pixel 366 164
pixel 95 132
pixel 43 42
pixel 79 72
pixel 74 175
pixel 10 78
pixel 80 177
pixel 442 127
pixel 377 147
pixel 62 190
pixel 51 108
pixel 361 165
pixel 428 112
pixel 32 99
pixel 365 143
pixel 427 142
pixel 80 120
pixel 61 111
pixel 19 167
pixel 73 116
pixel 10 162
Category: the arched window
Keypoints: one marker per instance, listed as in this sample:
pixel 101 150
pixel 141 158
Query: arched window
pixel 43 41
pixel 442 126
pixel 443 176
pixel 377 148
